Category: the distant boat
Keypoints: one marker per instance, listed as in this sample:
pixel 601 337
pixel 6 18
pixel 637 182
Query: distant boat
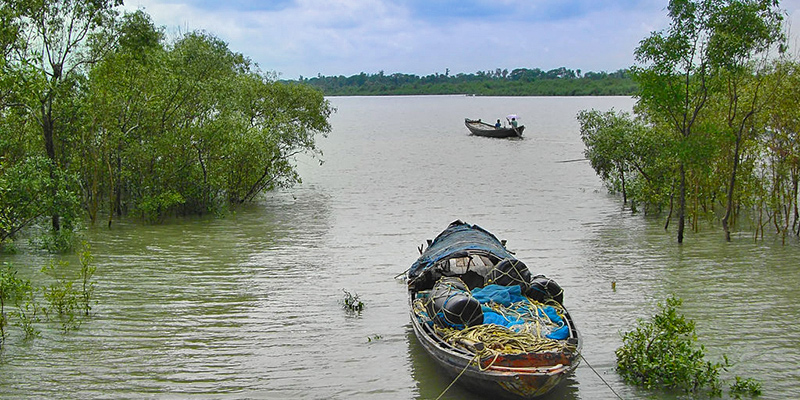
pixel 470 298
pixel 480 128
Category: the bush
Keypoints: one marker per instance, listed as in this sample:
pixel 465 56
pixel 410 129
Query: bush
pixel 662 353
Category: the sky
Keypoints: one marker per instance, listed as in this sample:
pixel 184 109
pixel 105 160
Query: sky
pixel 305 38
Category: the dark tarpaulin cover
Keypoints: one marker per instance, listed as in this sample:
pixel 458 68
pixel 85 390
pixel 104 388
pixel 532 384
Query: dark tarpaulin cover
pixel 459 236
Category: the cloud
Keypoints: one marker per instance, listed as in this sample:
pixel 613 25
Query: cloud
pixel 345 37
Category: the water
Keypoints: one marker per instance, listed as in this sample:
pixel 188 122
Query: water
pixel 249 306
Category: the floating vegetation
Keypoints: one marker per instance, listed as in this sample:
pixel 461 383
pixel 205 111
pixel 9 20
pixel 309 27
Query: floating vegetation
pixel 351 302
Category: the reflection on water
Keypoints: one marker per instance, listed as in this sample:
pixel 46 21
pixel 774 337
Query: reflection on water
pixel 248 306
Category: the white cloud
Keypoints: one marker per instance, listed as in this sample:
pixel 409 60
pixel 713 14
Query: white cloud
pixel 345 37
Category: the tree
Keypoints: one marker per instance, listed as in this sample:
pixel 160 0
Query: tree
pixel 190 127
pixel 121 100
pixel 706 40
pixel 743 36
pixel 781 145
pixel 631 158
pixel 53 55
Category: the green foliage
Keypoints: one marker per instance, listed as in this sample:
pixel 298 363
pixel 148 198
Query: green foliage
pixel 24 194
pixel 714 120
pixel 86 277
pixel 62 297
pixel 519 82
pixel 662 353
pixel 58 242
pixel 65 300
pixel 12 289
pixel 631 158
pixel 190 128
pixel 748 386
pixel 154 208
pixel 124 121
pixel 351 302
pixel 28 312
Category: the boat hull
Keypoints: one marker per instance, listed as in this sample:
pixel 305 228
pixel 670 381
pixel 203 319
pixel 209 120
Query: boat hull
pixel 479 128
pixel 529 379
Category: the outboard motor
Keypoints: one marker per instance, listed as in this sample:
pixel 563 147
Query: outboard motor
pixel 452 306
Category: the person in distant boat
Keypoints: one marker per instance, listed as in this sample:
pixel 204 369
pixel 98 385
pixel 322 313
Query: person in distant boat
pixel 514 123
pixel 497 124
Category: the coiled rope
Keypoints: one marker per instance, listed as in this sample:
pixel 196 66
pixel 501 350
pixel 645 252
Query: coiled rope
pixel 498 340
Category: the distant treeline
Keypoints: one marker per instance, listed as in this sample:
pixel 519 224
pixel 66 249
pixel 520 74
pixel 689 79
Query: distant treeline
pixel 501 82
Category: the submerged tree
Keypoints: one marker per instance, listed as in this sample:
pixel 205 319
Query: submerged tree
pixel 743 36
pixel 633 159
pixel 673 86
pixel 781 153
pixel 114 117
pixel 662 352
pixel 51 60
pixel 190 127
pixel 696 85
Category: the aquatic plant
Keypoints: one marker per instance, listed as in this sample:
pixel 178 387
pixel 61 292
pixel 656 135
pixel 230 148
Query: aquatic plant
pixel 62 297
pixel 11 287
pixel 66 298
pixel 662 352
pixel 743 386
pixel 87 272
pixel 351 302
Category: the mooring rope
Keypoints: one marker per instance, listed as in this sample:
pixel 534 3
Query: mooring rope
pixel 459 375
pixel 601 378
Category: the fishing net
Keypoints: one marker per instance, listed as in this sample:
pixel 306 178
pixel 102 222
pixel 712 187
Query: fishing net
pixel 510 272
pixel 451 305
pixel 512 327
pixel 543 288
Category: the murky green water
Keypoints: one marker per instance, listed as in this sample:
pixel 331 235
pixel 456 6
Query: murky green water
pixel 249 306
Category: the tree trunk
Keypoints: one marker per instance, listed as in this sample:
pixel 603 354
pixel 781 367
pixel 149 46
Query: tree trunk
pixel 624 193
pixel 682 204
pixel 117 185
pixel 795 226
pixel 731 186
pixel 50 149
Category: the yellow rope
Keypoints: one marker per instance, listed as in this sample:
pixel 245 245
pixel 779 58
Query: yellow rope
pixel 459 376
pixel 501 340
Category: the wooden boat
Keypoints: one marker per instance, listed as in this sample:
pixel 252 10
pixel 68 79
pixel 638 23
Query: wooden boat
pixel 480 128
pixel 524 354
